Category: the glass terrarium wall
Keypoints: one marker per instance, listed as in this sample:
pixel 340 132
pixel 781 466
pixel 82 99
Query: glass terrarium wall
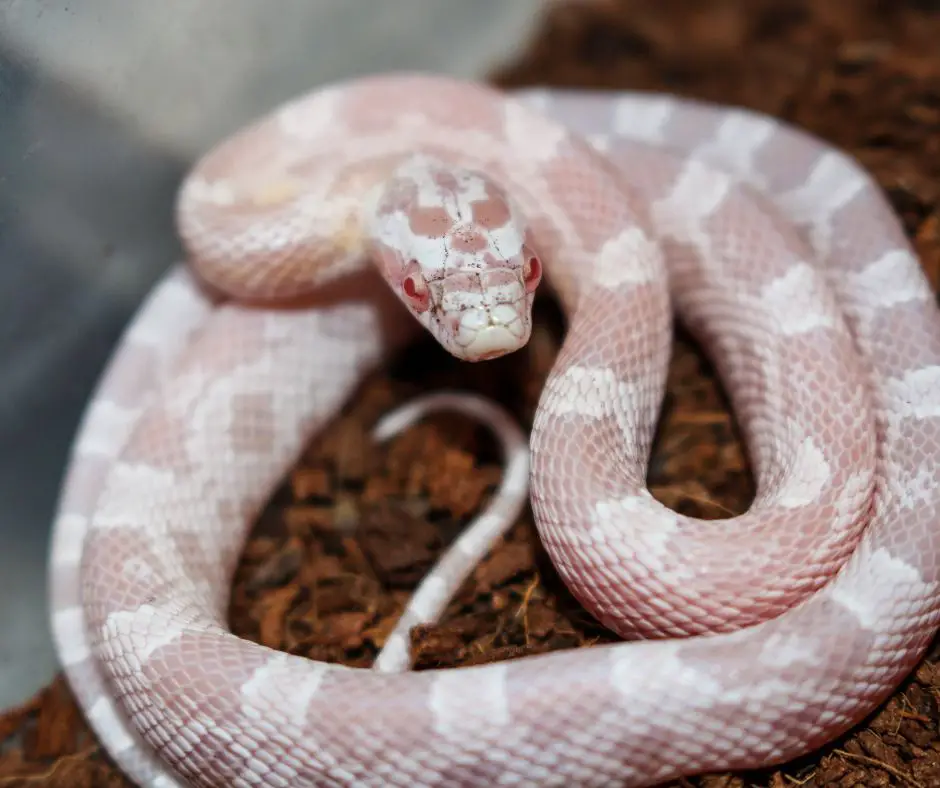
pixel 103 105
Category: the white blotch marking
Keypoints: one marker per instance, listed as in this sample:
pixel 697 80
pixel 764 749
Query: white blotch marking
pixel 462 703
pixel 783 649
pixel 809 475
pixel 796 302
pixel 586 391
pixel 268 682
pixel 698 192
pixel 173 303
pixel 916 394
pixel 629 258
pixel 630 672
pixel 107 722
pixel 538 136
pixel 69 529
pixel 880 581
pixel 738 138
pixel 832 184
pixel 761 692
pixel 642 119
pixel 121 500
pixel 600 142
pixel 109 429
pixel 638 522
pixel 216 192
pixel 148 628
pixel 310 117
pixel 894 278
pixel 69 625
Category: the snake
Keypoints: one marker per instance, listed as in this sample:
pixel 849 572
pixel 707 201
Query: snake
pixel 348 223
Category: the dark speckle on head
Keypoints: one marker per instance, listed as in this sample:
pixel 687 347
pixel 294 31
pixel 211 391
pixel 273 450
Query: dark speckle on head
pixel 454 248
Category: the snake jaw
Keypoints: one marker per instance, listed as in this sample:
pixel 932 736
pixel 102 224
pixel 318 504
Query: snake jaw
pixel 491 326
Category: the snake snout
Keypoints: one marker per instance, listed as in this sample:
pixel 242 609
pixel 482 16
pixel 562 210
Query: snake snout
pixel 488 334
pixel 489 312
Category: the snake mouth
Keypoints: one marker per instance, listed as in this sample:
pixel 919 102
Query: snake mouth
pixel 491 354
pixel 491 342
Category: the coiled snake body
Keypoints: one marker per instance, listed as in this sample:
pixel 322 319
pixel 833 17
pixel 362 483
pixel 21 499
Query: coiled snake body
pixel 777 251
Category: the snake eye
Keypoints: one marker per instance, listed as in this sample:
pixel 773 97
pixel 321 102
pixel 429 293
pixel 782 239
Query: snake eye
pixel 531 272
pixel 416 291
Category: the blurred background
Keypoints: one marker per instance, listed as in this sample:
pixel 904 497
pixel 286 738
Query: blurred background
pixel 103 105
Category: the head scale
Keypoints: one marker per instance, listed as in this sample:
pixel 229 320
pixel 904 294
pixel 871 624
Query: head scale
pixel 459 255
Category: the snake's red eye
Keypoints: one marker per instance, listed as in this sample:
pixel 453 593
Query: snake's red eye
pixel 416 291
pixel 532 272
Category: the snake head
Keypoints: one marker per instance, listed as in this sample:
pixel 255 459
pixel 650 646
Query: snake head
pixel 459 255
